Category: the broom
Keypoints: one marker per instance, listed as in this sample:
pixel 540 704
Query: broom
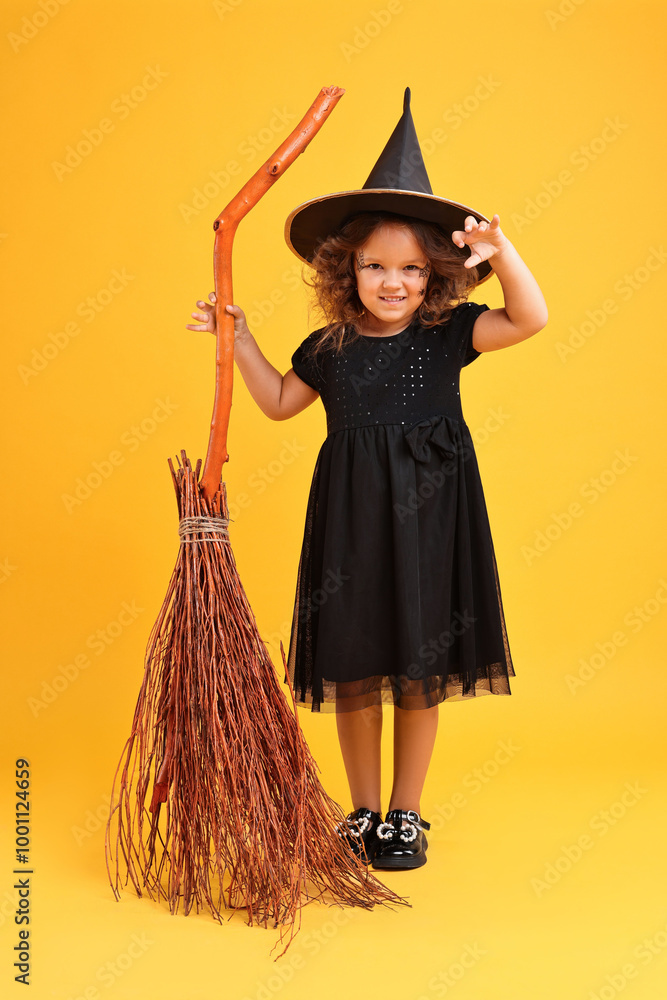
pixel 246 822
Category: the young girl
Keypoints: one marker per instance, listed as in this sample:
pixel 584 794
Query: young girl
pixel 398 598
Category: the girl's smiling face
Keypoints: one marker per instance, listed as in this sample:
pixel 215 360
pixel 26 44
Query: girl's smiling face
pixel 391 272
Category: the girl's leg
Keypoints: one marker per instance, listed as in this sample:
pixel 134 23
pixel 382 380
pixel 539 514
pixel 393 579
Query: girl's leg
pixel 414 739
pixel 359 735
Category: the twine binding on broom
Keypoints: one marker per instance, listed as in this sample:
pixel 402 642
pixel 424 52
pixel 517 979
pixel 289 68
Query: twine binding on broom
pixel 199 525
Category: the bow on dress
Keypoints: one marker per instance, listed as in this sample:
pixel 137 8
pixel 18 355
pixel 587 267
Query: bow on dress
pixel 439 431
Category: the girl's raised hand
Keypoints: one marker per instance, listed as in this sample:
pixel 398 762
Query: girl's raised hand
pixel 484 239
pixel 208 323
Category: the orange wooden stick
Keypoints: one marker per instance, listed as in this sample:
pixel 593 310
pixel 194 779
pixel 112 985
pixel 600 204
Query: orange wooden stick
pixel 225 226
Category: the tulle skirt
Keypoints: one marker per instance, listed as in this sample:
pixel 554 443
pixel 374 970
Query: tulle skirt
pixel 398 598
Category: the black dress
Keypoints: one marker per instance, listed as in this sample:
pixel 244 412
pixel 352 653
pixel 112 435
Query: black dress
pixel 397 597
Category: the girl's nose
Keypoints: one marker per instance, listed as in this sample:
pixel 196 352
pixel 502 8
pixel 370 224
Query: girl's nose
pixel 392 281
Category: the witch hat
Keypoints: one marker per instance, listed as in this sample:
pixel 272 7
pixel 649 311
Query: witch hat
pixel 397 183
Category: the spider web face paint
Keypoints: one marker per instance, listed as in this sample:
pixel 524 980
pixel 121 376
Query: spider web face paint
pixel 423 273
pixel 361 264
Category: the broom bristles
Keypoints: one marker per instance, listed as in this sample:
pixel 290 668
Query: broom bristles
pixel 238 818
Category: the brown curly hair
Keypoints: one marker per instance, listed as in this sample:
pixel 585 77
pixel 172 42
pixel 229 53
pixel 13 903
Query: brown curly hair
pixel 334 282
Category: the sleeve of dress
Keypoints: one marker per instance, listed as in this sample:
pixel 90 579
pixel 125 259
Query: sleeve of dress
pixel 306 366
pixel 462 321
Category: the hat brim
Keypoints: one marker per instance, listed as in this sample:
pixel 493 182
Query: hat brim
pixel 309 223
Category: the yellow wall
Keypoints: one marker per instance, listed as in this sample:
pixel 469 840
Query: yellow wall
pixel 551 115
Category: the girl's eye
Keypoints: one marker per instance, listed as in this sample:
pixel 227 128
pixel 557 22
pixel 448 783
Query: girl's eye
pixel 408 267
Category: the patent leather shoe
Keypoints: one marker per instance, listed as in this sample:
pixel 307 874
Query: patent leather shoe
pixel 358 830
pixel 398 846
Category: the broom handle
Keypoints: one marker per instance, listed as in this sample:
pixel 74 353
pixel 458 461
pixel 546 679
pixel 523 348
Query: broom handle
pixel 225 229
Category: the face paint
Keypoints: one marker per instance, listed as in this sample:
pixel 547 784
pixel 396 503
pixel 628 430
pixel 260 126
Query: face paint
pixel 389 282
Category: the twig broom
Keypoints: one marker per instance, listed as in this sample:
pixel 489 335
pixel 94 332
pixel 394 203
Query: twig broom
pixel 237 815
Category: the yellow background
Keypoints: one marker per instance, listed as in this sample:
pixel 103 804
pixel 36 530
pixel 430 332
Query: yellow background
pixel 537 89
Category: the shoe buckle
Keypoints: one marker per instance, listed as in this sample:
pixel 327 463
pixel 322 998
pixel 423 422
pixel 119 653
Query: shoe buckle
pixel 414 817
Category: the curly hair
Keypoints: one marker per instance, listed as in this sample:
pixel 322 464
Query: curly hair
pixel 334 282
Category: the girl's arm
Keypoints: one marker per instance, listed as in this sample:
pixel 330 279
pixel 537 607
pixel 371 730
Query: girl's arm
pixel 278 396
pixel 525 312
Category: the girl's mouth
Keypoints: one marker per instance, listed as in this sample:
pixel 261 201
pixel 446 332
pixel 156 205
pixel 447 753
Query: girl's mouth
pixel 392 298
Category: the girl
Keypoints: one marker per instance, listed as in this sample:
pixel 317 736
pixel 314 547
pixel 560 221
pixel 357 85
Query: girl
pixel 398 598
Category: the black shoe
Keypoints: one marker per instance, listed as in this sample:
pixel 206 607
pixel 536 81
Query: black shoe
pixel 401 848
pixel 359 832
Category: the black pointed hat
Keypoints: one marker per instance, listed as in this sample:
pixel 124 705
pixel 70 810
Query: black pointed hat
pixel 397 183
